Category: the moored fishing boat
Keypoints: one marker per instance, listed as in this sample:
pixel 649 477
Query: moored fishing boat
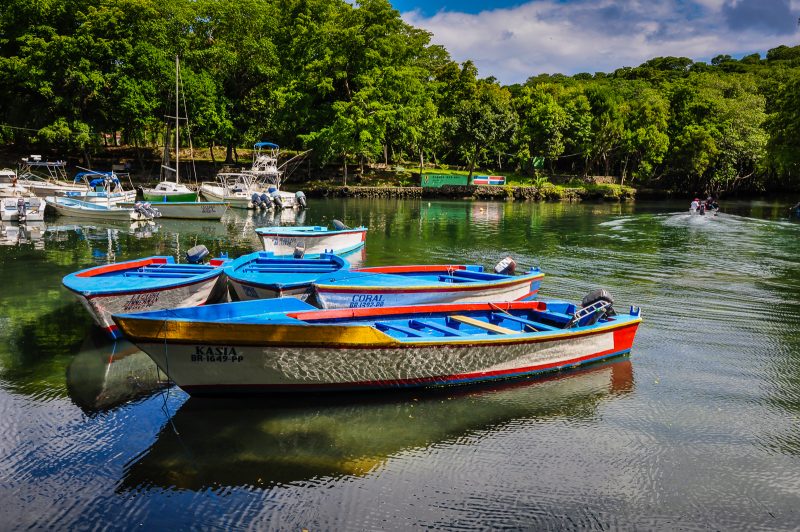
pixel 101 187
pixel 97 211
pixel 22 209
pixel 148 283
pixel 261 275
pixel 285 345
pixel 388 286
pixel 313 239
pixel 187 210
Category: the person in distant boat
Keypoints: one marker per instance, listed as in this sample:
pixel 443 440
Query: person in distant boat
pixel 711 204
pixel 796 208
pixel 695 205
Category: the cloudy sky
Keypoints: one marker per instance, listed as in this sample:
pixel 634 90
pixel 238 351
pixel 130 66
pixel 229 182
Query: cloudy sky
pixel 513 40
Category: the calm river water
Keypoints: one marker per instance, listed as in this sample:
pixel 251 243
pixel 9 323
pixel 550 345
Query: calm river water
pixel 698 428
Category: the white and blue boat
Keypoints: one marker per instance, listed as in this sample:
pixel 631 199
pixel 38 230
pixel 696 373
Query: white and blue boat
pixel 314 240
pixel 147 284
pixel 285 345
pixel 101 187
pixel 261 275
pixel 388 286
pixel 97 211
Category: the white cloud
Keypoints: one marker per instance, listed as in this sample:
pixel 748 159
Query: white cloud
pixel 546 36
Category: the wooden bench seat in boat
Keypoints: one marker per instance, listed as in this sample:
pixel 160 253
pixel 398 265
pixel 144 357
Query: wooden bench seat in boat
pixel 528 323
pixel 450 331
pixel 386 326
pixel 491 327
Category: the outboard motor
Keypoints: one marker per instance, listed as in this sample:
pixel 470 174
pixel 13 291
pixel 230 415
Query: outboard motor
pixel 276 198
pixel 702 209
pixel 507 266
pixel 255 200
pixel 265 202
pixel 22 213
pixel 339 226
pixel 151 211
pixel 300 198
pixel 595 305
pixel 196 254
pixel 299 250
pixel 139 209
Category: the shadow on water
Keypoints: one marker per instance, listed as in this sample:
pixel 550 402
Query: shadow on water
pixel 105 374
pixel 267 442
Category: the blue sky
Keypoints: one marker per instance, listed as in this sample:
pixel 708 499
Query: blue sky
pixel 513 40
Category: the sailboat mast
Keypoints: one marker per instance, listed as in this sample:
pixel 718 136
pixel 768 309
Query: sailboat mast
pixel 177 121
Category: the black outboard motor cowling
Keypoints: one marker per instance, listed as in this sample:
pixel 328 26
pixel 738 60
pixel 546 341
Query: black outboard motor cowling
pixel 601 294
pixel 255 200
pixel 276 199
pixel 299 250
pixel 196 254
pixel 22 213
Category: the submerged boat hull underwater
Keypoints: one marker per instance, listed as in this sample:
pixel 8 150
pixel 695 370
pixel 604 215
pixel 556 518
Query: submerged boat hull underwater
pixel 389 286
pixel 286 345
pixel 145 284
pixel 314 239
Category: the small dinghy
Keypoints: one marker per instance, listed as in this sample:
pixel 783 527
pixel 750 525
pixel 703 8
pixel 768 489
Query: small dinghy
pixel 97 211
pixel 22 210
pixel 148 283
pixel 388 286
pixel 285 345
pixel 313 239
pixel 261 275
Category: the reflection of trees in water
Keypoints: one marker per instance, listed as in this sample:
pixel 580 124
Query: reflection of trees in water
pixel 263 442
pixel 39 348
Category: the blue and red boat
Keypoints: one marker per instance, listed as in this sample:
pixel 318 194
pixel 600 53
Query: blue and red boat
pixel 386 286
pixel 144 284
pixel 285 345
pixel 261 275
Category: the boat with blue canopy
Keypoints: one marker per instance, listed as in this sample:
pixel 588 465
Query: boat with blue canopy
pixel 101 187
pixel 262 275
pixel 313 240
pixel 157 282
pixel 386 286
pixel 286 345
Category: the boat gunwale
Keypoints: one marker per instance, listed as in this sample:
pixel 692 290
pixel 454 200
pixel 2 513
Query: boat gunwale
pixel 297 231
pixel 442 287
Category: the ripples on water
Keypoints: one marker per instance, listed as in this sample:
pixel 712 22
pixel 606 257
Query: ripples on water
pixel 698 429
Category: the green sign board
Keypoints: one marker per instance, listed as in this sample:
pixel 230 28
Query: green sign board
pixel 437 180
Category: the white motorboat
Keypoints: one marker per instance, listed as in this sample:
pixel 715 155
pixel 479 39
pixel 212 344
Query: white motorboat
pixel 85 209
pixel 186 210
pixel 22 209
pixel 101 187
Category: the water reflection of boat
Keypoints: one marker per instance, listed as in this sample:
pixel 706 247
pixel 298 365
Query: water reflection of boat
pixel 104 375
pixel 261 443
pixel 30 232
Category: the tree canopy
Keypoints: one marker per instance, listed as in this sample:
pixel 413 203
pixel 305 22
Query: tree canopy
pixel 360 85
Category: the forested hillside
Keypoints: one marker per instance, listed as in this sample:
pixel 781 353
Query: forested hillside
pixel 357 83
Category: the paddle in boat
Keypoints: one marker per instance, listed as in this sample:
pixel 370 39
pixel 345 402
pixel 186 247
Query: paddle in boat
pixel 387 286
pixel 261 275
pixel 285 345
pixel 312 239
pixel 148 283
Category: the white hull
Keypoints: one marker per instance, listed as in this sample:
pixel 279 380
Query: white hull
pixel 96 214
pixel 241 200
pixel 34 210
pixel 112 200
pixel 188 210
pixel 315 243
pixel 392 297
pixel 209 368
pixel 43 190
pixel 101 307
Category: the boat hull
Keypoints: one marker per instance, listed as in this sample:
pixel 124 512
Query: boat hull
pixel 207 369
pixel 282 244
pixel 192 294
pixel 94 214
pixel 288 346
pixel 34 210
pixel 331 297
pixel 216 193
pixel 249 291
pixel 188 210
pixel 167 197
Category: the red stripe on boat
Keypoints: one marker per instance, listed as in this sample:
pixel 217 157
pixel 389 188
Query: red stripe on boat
pixel 110 268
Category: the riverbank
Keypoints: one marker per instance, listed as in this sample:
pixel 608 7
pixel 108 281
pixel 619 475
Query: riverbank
pixel 548 192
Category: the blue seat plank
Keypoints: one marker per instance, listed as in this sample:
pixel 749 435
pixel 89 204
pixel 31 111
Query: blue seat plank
pixel 481 276
pixel 550 315
pixel 452 279
pixel 450 331
pixel 533 324
pixel 387 326
pixel 155 275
